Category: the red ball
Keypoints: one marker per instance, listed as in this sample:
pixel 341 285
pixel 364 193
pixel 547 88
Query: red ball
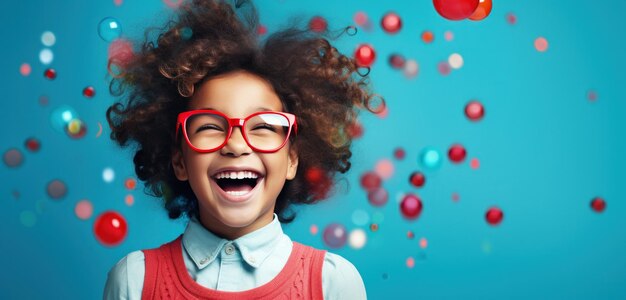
pixel 598 204
pixel 399 153
pixel 314 175
pixel 482 11
pixel 364 55
pixel 391 23
pixel 457 153
pixel 89 92
pixel 370 181
pixel 474 110
pixel 377 196
pixel 50 74
pixel 494 216
pixel 455 9
pixel 396 61
pixel 110 228
pixel 318 24
pixel 417 179
pixel 32 144
pixel 355 130
pixel 411 206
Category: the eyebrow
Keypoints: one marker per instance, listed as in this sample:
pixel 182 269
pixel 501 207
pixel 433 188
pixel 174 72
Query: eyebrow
pixel 260 108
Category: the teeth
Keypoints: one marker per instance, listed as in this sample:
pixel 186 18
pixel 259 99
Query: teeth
pixel 236 175
pixel 236 193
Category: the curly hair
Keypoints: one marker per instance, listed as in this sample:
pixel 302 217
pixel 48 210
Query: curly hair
pixel 207 38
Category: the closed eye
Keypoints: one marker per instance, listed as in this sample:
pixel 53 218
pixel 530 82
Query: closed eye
pixel 209 127
pixel 265 126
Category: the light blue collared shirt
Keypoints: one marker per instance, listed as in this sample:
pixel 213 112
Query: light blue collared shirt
pixel 245 263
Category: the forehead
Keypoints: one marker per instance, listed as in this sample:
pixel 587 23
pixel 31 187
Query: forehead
pixel 236 94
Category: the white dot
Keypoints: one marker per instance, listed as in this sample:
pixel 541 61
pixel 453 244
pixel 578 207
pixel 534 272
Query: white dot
pixel 108 175
pixel 357 239
pixel 48 39
pixel 411 68
pixel 46 56
pixel 455 60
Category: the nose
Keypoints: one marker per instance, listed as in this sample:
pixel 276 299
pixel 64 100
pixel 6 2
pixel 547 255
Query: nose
pixel 236 144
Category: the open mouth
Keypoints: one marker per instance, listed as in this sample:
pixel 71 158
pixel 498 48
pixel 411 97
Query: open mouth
pixel 237 183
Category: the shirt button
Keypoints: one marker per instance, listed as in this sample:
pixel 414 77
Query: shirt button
pixel 204 260
pixel 229 249
pixel 251 259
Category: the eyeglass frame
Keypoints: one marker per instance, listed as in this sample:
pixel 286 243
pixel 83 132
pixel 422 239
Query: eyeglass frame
pixel 233 122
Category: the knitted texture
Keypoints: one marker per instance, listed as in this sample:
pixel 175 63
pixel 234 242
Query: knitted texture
pixel 166 277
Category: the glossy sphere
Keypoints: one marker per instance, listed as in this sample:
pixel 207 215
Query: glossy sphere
pixel 396 61
pixel 110 228
pixel 335 235
pixel 76 129
pixel 417 179
pixel 455 9
pixel 370 181
pixel 428 36
pixel 318 24
pixel 482 11
pixel 411 206
pixel 399 153
pixel 457 153
pixel 430 158
pixel 474 110
pixel 109 29
pixel 494 216
pixel 598 204
pixel 391 23
pixel 50 74
pixel 378 196
pixel 364 55
pixel 89 92
pixel 32 144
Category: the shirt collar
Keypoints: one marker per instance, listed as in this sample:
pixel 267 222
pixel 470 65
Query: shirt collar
pixel 203 246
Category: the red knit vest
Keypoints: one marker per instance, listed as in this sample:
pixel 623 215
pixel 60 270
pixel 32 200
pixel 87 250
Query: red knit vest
pixel 166 277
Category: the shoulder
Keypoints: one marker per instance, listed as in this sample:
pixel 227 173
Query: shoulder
pixel 126 277
pixel 341 279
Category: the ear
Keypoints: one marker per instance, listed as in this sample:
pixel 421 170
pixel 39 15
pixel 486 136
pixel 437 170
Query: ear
pixel 292 163
pixel 178 164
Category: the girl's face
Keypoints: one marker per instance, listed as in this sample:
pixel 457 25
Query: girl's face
pixel 235 209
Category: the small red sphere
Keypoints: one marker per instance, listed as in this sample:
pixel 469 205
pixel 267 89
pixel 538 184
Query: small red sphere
pixel 428 36
pixel 410 234
pixel 314 175
pixel 598 204
pixel 494 216
pixel 377 196
pixel 474 110
pixel 261 30
pixel 370 181
pixel 391 23
pixel 50 74
pixel 396 61
pixel 417 179
pixel 110 228
pixel 364 55
pixel 89 92
pixel 318 24
pixel 482 11
pixel 355 130
pixel 399 153
pixel 455 9
pixel 457 153
pixel 411 206
pixel 32 144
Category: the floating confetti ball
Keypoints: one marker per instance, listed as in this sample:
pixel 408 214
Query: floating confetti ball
pixel 448 35
pixel 423 243
pixel 76 129
pixel 457 153
pixel 444 68
pixel 378 196
pixel 48 39
pixel 130 183
pixel 360 217
pixel 410 235
pixel 428 36
pixel 430 158
pixel 46 56
pixel 396 61
pixel 361 19
pixel 61 117
pixel 411 68
pixel 384 168
pixel 108 175
pixel 455 61
pixel 541 44
pixel 399 153
pixel 391 23
pixel 25 69
pixel 374 227
pixel 117 2
pixel 494 216
pixel 417 179
pixel 474 110
pixel 110 228
pixel 474 163
pixel 592 95
pixel 83 209
pixel 410 262
pixel 109 29
pixel 355 130
pixel 129 200
pixel 318 24
pixel 335 235
pixel 13 158
pixel 50 74
pixel 261 30
pixel 511 18
pixel 370 181
pixel 89 92
pixel 313 229
pixel 32 144
pixel 455 197
pixel 56 189
pixel 411 206
pixel 598 204
pixel 482 11
pixel 455 10
pixel 357 238
pixel 364 55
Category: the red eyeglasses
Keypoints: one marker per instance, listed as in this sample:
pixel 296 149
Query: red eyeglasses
pixel 209 130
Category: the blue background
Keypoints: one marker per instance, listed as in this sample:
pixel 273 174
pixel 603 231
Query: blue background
pixel 545 151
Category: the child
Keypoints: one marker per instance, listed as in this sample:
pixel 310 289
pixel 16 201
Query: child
pixel 231 132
